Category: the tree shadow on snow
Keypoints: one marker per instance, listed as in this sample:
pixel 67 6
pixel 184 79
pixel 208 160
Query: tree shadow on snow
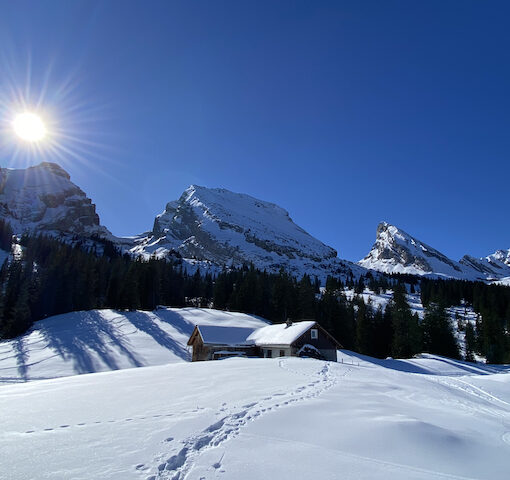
pixel 21 353
pixel 143 322
pixel 176 320
pixel 88 333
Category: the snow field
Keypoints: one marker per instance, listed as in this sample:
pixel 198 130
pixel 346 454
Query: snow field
pixel 361 418
pixel 425 418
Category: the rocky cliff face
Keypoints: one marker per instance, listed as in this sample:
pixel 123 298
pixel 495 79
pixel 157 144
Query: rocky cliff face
pixel 226 228
pixel 42 199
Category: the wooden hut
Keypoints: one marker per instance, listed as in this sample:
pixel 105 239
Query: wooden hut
pixel 304 338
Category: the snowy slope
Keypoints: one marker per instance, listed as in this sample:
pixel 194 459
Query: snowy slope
pixel 219 227
pixel 428 418
pixel 395 251
pixel 496 265
pixel 43 199
pixel 102 340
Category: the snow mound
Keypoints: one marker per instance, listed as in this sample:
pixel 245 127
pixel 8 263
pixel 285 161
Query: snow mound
pixel 101 340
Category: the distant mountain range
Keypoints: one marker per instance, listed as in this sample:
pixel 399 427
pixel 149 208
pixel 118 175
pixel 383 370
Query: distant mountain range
pixel 216 228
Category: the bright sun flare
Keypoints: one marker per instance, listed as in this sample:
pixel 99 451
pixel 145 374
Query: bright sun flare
pixel 29 127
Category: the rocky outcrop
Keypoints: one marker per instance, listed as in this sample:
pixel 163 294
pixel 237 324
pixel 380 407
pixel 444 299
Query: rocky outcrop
pixel 43 199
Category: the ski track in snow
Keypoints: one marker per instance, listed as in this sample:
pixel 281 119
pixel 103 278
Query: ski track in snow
pixel 181 462
pixel 496 406
pixel 364 459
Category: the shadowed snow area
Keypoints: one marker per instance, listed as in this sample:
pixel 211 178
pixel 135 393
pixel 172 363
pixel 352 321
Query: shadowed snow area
pixel 289 418
pixel 101 340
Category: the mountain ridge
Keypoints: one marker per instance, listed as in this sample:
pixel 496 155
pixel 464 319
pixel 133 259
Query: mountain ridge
pixel 213 228
pixel 396 251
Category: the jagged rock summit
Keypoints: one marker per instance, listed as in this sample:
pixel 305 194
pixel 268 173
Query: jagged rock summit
pixel 395 251
pixel 225 228
pixel 42 199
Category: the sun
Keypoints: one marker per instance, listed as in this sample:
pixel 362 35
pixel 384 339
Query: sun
pixel 29 127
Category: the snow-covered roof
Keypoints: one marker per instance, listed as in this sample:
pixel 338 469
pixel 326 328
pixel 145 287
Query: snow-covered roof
pixel 214 335
pixel 280 334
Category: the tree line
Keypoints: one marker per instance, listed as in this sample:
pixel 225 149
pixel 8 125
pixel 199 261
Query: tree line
pixel 53 277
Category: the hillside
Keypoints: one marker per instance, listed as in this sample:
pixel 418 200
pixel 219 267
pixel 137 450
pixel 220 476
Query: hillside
pixel 102 340
pixel 426 418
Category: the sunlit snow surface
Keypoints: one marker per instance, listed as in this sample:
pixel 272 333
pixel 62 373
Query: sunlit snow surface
pixel 289 418
pixel 253 418
pixel 101 340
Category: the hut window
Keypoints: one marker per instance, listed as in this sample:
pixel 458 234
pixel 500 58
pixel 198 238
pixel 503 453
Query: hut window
pixel 282 353
pixel 314 333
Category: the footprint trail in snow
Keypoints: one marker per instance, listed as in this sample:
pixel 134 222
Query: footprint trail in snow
pixel 178 465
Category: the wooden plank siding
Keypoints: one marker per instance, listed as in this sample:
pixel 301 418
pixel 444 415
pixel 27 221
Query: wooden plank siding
pixel 324 342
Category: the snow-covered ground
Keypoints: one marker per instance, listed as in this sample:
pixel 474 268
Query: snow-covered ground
pixel 288 418
pixel 101 340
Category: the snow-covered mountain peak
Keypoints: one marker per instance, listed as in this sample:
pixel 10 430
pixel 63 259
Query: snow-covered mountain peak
pixel 502 256
pixel 221 227
pixel 42 198
pixel 239 205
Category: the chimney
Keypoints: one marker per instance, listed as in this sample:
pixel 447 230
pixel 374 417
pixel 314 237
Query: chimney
pixel 288 322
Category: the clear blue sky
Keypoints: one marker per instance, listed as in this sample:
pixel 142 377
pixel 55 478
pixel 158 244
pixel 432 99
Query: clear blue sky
pixel 346 113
